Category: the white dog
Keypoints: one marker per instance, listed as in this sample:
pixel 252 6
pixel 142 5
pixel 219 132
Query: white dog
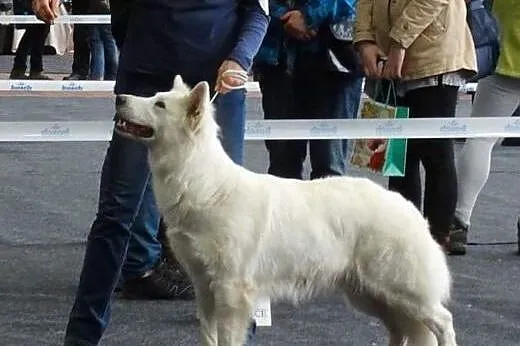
pixel 241 234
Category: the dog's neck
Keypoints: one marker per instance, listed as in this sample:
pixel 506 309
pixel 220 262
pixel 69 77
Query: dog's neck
pixel 199 177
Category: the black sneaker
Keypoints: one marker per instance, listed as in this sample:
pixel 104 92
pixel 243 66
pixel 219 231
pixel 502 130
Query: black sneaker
pixel 17 74
pixel 458 238
pixel 162 282
pixel 75 76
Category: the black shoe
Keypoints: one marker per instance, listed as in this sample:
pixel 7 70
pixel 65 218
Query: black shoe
pixel 39 76
pixel 511 142
pixel 458 238
pixel 75 76
pixel 162 282
pixel 17 74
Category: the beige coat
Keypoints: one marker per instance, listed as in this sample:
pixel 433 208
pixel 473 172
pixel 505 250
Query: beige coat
pixel 433 32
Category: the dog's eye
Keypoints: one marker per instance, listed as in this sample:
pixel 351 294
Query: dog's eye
pixel 160 104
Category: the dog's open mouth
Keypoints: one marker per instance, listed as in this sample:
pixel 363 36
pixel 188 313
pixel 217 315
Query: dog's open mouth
pixel 137 130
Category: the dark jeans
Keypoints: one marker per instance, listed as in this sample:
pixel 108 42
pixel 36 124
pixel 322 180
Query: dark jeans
pixel 80 37
pixel 436 155
pixel 309 93
pixel 32 43
pixel 123 237
pixel 104 55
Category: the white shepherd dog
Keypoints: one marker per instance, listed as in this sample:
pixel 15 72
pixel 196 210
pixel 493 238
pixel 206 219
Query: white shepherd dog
pixel 241 235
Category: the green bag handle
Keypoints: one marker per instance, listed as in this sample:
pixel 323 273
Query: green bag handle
pixel 391 90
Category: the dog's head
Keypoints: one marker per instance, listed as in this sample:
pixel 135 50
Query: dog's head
pixel 170 119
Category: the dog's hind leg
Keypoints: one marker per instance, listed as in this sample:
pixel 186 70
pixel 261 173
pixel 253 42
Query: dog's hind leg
pixel 428 325
pixel 440 322
pixel 233 309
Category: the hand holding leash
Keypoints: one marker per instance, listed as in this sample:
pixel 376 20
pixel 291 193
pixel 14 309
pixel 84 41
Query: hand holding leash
pixel 230 77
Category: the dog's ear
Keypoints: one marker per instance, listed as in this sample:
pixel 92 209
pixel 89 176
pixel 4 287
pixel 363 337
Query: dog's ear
pixel 198 101
pixel 178 82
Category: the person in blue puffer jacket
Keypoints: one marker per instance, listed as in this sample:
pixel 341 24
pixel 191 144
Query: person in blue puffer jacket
pixel 158 39
pixel 297 82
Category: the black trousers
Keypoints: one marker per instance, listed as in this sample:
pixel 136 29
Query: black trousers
pixel 32 43
pixel 436 156
pixel 81 59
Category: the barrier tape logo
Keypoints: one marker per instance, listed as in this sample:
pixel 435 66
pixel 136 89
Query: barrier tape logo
pixel 22 86
pixel 257 129
pixel 389 127
pixel 55 131
pixel 454 127
pixel 72 86
pixel 323 128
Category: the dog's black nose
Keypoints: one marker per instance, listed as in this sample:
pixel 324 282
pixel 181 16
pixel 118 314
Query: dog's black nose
pixel 120 100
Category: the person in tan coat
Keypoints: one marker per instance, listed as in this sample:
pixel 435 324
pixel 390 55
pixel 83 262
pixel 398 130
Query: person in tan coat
pixel 426 48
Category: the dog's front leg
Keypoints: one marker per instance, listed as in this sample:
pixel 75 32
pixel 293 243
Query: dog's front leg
pixel 206 312
pixel 233 310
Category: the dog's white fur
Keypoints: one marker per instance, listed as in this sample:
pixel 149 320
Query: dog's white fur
pixel 241 234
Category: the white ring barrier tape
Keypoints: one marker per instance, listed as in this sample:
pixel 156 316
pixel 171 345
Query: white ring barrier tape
pixel 73 86
pixel 105 86
pixel 67 19
pixel 88 131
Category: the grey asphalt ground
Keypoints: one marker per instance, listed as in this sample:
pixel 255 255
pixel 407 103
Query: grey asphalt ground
pixel 48 196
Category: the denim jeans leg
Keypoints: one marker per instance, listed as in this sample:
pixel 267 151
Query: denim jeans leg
pixel 124 188
pixel 97 55
pixel 230 116
pixel 341 100
pixel 144 249
pixel 110 52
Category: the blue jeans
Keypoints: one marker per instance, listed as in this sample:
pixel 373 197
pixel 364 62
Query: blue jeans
pixel 307 93
pixel 103 50
pixel 123 237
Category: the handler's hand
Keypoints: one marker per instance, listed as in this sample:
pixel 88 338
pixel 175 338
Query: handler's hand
pixel 46 10
pixel 295 26
pixel 371 59
pixel 230 74
pixel 394 64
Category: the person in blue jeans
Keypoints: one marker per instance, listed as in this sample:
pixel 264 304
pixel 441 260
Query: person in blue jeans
pixel 160 39
pixel 103 50
pixel 296 83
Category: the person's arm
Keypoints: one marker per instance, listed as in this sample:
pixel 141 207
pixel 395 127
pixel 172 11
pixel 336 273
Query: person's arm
pixel 316 12
pixel 363 28
pixel 415 18
pixel 254 26
pixel 120 14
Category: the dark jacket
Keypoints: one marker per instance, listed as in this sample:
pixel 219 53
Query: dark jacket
pixel 186 36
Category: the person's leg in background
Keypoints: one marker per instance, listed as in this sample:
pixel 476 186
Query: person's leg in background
pixel 512 141
pixel 126 212
pixel 326 95
pixel 20 58
pixel 97 57
pixel 81 58
pixel 286 157
pixel 39 35
pixel 110 52
pixel 437 157
pixel 496 96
